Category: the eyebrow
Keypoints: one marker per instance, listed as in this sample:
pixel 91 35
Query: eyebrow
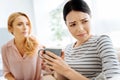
pixel 80 20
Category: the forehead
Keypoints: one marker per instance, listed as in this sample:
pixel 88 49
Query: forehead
pixel 21 18
pixel 76 15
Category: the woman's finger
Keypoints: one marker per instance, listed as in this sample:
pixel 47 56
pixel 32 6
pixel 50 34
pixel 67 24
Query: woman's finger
pixel 62 55
pixel 49 64
pixel 51 54
pixel 48 57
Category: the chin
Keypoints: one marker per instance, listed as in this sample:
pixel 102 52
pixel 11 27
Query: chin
pixel 25 36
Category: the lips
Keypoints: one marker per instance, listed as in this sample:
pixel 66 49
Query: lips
pixel 24 32
pixel 81 35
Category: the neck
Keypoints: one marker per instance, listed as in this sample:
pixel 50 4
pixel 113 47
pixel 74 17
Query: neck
pixel 19 41
pixel 78 43
pixel 19 45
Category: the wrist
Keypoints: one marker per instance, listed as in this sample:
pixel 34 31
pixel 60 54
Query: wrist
pixel 74 75
pixel 68 72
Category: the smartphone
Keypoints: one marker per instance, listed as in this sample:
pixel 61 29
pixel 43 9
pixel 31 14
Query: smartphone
pixel 56 51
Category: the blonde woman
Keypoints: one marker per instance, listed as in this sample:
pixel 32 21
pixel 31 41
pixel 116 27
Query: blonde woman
pixel 19 55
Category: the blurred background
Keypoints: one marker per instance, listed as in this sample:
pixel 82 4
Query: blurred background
pixel 48 24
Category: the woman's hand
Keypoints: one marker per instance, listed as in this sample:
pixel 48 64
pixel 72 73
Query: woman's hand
pixel 55 62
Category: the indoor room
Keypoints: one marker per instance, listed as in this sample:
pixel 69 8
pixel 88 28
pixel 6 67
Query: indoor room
pixel 49 27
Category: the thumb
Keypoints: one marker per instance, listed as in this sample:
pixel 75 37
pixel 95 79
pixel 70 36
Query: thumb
pixel 62 54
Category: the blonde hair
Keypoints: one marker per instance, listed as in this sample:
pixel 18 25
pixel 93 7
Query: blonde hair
pixel 31 43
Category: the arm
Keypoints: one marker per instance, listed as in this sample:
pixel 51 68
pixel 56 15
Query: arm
pixel 59 77
pixel 7 74
pixel 58 64
pixel 71 75
pixel 74 75
pixel 108 55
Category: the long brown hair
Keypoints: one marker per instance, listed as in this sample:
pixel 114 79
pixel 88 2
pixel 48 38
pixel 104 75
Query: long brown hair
pixel 31 43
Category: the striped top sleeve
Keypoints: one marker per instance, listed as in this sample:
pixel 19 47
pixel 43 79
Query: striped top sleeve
pixel 108 56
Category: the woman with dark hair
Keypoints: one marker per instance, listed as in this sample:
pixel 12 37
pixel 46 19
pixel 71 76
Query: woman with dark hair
pixel 90 57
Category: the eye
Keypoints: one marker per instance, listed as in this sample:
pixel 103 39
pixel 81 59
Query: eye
pixel 27 24
pixel 19 24
pixel 72 25
pixel 84 21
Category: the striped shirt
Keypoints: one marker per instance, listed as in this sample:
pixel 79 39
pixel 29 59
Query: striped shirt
pixel 96 58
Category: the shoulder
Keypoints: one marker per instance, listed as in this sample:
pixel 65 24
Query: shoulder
pixel 69 46
pixel 8 44
pixel 103 38
pixel 104 41
pixel 97 37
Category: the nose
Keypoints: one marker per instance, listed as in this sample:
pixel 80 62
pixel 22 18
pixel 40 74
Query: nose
pixel 25 26
pixel 80 28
